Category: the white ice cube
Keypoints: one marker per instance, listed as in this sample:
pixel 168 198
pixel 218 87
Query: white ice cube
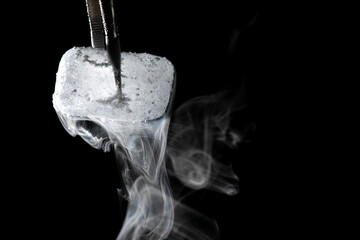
pixel 86 88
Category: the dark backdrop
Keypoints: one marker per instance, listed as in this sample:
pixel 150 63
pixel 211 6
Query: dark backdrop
pixel 61 188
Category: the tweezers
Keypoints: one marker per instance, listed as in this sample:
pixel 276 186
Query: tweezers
pixel 103 31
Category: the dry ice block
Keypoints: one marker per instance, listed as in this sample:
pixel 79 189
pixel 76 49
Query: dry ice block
pixel 86 88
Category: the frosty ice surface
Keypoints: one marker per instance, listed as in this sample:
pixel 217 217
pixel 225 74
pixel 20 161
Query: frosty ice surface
pixel 85 86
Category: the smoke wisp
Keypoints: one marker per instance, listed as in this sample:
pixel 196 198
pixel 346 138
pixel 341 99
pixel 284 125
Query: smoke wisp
pixel 200 128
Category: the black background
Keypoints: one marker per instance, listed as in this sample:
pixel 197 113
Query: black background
pixel 58 187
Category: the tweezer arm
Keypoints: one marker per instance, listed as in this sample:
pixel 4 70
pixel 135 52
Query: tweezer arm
pixel 111 35
pixel 103 31
pixel 95 21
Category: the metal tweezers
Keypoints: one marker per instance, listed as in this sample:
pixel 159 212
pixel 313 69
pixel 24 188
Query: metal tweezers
pixel 103 31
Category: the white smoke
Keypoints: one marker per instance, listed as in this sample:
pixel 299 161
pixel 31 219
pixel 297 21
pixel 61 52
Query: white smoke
pixel 140 150
pixel 198 127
